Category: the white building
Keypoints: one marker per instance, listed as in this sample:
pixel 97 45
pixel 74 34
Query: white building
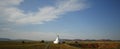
pixel 57 41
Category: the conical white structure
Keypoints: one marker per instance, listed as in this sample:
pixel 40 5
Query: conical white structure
pixel 57 41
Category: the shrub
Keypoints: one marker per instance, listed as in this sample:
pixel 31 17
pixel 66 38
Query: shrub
pixel 42 41
pixel 23 42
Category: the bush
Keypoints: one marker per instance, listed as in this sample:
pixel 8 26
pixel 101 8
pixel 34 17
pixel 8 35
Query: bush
pixel 76 42
pixel 42 41
pixel 63 42
pixel 23 42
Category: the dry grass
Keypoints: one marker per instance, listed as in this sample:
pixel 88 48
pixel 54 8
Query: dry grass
pixel 97 45
pixel 69 45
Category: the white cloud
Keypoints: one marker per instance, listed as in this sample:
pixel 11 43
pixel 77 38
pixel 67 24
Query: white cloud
pixel 7 3
pixel 11 13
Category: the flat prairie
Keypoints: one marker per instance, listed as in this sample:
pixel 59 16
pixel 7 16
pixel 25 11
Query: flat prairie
pixel 66 45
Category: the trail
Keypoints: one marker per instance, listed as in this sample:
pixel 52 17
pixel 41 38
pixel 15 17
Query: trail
pixel 47 46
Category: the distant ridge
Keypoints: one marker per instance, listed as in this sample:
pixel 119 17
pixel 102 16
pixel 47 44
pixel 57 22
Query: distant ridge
pixel 8 39
pixel 5 39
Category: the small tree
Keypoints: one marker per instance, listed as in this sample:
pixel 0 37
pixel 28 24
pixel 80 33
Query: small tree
pixel 63 42
pixel 76 42
pixel 23 42
pixel 42 41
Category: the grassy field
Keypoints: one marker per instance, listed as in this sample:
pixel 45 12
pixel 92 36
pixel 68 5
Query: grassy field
pixel 66 45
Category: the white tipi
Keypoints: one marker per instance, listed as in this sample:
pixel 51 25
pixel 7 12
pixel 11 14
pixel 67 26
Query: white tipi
pixel 57 41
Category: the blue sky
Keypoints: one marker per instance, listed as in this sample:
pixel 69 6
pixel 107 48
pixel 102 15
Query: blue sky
pixel 71 19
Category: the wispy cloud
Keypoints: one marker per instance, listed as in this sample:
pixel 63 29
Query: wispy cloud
pixel 29 35
pixel 34 35
pixel 11 14
pixel 9 11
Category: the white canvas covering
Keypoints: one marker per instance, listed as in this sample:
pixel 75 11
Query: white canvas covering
pixel 57 41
